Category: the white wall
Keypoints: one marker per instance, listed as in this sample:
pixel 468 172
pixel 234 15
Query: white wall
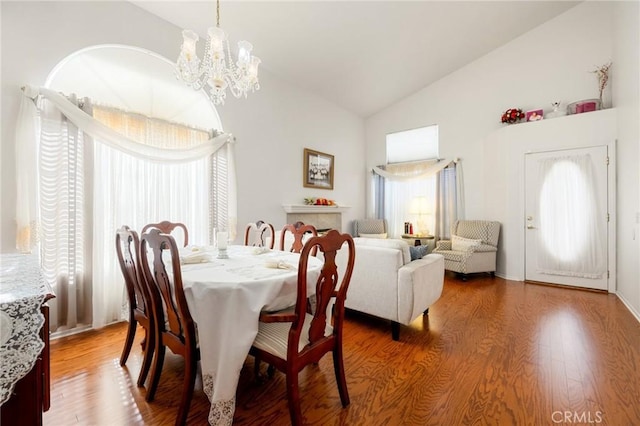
pixel 549 63
pixel 272 126
pixel 626 95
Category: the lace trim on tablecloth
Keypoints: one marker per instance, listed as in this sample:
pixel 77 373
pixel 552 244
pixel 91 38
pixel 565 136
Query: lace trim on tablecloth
pixel 221 412
pixel 22 292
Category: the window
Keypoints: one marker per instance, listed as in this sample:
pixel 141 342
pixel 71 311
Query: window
pixel 413 145
pixel 410 199
pixel 88 188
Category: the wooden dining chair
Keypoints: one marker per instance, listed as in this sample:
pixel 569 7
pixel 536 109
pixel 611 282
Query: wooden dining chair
pixel 298 230
pixel 289 341
pixel 167 227
pixel 256 234
pixel 173 322
pixel 140 311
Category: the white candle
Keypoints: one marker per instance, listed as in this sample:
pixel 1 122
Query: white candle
pixel 222 240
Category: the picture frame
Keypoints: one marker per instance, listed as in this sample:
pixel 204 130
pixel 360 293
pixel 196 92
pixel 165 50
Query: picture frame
pixel 318 169
pixel 534 115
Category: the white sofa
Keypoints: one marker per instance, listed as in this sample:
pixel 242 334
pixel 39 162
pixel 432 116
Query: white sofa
pixel 387 284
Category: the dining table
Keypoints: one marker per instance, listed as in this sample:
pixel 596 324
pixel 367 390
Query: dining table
pixel 225 297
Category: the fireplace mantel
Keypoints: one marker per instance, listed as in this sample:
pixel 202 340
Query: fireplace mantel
pixel 306 208
pixel 322 217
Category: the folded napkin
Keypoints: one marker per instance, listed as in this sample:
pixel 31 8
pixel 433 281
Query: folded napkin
pixel 260 250
pixel 278 264
pixel 194 254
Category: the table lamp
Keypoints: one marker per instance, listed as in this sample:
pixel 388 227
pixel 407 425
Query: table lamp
pixel 420 207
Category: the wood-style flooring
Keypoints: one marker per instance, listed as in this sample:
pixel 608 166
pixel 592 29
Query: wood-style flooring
pixel 490 352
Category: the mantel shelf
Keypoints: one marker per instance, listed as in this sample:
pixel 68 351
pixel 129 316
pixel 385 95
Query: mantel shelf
pixel 304 208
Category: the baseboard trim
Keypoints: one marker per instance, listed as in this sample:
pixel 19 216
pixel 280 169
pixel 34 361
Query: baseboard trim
pixel 508 278
pixel 629 306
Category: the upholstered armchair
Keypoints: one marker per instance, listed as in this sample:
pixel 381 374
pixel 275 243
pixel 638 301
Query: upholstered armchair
pixel 370 228
pixel 472 247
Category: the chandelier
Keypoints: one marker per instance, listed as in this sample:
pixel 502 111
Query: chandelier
pixel 217 69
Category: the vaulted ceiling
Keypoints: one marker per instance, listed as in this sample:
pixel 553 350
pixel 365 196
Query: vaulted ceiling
pixel 363 55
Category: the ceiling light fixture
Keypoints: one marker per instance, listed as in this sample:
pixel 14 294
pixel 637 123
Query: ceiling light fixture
pixel 217 69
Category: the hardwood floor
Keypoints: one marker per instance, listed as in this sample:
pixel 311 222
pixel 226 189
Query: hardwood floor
pixel 490 352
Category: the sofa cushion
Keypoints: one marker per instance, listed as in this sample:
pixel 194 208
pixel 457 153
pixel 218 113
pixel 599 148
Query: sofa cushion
pixel 386 243
pixel 418 252
pixel 463 244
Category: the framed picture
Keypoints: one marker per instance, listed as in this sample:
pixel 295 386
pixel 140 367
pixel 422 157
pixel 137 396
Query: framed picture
pixel 318 170
pixel 535 115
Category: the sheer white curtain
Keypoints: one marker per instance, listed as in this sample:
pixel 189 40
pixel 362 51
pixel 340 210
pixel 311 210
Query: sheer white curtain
pixel 133 191
pixel 403 182
pixel 94 179
pixel 64 243
pixel 27 174
pixel 574 239
pixel 398 199
pixel 447 207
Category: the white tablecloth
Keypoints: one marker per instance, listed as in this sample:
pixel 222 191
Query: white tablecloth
pixel 225 297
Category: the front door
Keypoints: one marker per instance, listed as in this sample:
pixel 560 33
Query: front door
pixel 567 217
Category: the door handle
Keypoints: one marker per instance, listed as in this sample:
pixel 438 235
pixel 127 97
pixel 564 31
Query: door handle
pixel 530 226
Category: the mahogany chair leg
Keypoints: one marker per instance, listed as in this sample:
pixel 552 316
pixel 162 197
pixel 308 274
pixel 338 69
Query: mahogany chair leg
pixel 338 366
pixel 131 334
pixel 156 369
pixel 426 312
pixel 148 348
pixel 293 396
pixel 190 370
pixel 256 370
pixel 271 371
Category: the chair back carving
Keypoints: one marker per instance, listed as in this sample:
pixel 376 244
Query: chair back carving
pixel 256 234
pixel 167 227
pixel 298 230
pixel 329 287
pixel 127 249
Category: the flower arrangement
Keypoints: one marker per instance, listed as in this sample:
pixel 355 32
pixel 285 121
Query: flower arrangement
pixel 602 72
pixel 310 201
pixel 512 115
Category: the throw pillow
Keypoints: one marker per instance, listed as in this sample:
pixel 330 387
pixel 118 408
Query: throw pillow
pixel 383 235
pixel 463 244
pixel 418 252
